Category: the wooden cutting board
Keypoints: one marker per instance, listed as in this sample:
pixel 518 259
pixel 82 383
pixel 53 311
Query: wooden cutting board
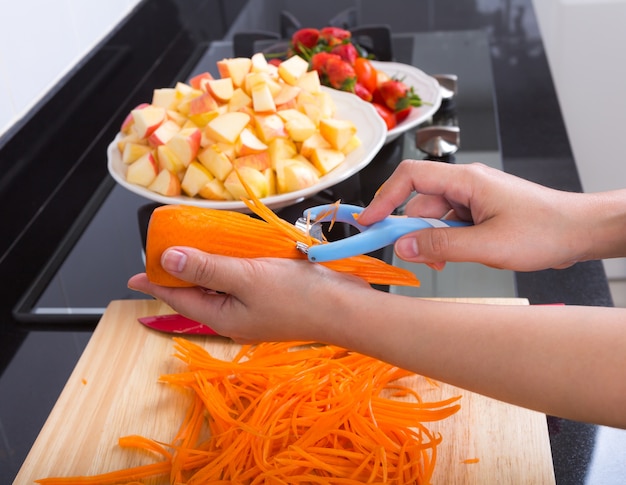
pixel 113 392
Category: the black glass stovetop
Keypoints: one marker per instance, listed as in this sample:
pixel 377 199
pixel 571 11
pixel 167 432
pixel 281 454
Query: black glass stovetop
pixel 106 247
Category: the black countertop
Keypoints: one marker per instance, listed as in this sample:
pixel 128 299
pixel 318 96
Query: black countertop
pixel 54 178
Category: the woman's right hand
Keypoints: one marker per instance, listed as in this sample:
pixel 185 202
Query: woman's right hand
pixel 518 225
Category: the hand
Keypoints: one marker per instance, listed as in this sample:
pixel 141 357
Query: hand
pixel 252 300
pixel 518 224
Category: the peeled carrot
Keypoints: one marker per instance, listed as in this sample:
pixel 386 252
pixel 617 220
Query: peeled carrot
pixel 290 413
pixel 235 234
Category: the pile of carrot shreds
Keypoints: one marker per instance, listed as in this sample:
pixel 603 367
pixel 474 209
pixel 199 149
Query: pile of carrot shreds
pixel 290 413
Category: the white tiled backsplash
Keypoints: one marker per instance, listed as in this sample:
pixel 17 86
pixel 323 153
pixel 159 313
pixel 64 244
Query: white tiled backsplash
pixel 41 40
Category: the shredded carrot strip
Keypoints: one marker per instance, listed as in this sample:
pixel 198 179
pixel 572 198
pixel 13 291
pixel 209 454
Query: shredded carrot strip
pixel 290 413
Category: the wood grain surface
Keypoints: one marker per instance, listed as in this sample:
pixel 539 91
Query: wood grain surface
pixel 113 391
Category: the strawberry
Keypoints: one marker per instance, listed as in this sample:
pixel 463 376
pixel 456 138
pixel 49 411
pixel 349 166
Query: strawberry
pixel 403 114
pixel 334 35
pixel 362 92
pixel 346 51
pixel 304 40
pixel 386 114
pixel 340 74
pixel 398 96
pixel 319 60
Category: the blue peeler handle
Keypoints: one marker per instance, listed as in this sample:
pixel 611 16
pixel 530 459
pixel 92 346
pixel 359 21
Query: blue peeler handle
pixel 370 238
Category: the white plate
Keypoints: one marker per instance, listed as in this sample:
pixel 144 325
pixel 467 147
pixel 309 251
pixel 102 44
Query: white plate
pixel 424 85
pixel 370 128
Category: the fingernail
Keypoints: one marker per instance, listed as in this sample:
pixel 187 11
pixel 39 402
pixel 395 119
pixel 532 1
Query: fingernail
pixel 407 248
pixel 174 260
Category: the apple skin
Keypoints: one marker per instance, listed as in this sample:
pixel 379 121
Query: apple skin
pixel 163 133
pixel 259 161
pixel 147 120
pixel 166 183
pixel 142 171
pixel 248 143
pixel 235 68
pixel 199 81
pixel 129 120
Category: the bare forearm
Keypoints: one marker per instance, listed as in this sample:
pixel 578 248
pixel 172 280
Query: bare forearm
pixel 605 216
pixel 559 360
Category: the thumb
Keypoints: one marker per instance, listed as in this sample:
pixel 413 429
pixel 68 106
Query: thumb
pixel 438 245
pixel 205 270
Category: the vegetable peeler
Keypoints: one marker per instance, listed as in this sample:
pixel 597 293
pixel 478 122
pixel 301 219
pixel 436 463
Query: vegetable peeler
pixel 370 238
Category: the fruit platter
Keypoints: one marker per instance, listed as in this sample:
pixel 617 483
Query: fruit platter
pixel 285 126
pixel 274 126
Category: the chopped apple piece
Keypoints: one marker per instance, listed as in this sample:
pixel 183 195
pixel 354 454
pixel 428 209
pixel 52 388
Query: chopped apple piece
pixel 259 161
pixel 132 137
pixel 215 190
pixel 299 175
pixel 287 94
pixel 316 140
pixel 291 69
pixel 134 151
pixel 235 68
pixel 185 144
pixel 353 144
pixel 166 183
pixel 248 143
pixel 239 100
pixel 178 118
pixel 262 99
pixel 270 176
pixel 142 171
pixel 196 176
pixel 199 81
pixel 337 132
pixel 147 119
pixel 203 109
pixel 163 133
pixel 253 178
pixel 325 159
pixel 258 63
pixel 165 98
pixel 281 149
pixel 216 160
pixel 310 82
pixel 221 89
pixel 298 125
pixel 168 160
pixel 227 126
pixel 270 127
pixel 129 121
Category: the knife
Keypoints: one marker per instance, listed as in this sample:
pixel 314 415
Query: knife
pixel 176 323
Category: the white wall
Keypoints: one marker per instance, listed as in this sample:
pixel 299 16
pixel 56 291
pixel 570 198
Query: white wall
pixel 585 42
pixel 40 40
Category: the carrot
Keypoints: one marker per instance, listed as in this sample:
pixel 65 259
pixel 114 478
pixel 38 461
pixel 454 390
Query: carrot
pixel 290 413
pixel 239 235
